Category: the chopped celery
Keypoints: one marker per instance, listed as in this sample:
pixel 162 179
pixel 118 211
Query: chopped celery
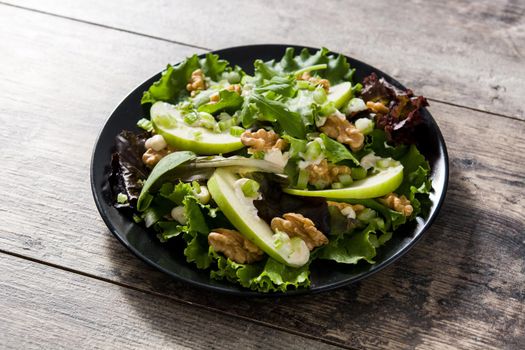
pixel 250 188
pixel 145 124
pixel 346 179
pixel 236 131
pixel 359 173
pixel 122 198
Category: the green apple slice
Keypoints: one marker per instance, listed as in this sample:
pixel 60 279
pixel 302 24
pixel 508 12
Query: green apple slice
pixel 340 94
pixel 169 122
pixel 243 215
pixel 377 185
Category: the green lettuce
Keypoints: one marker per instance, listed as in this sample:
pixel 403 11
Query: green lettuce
pixel 350 248
pixel 338 69
pixel 171 87
pixel 265 276
pixel 416 184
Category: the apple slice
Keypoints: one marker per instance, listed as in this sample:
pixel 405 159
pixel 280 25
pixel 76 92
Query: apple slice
pixel 340 94
pixel 243 215
pixel 374 186
pixel 169 122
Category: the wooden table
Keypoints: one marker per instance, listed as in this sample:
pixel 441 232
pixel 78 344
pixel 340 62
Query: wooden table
pixel 66 282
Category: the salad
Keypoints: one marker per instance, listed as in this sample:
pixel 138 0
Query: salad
pixel 257 177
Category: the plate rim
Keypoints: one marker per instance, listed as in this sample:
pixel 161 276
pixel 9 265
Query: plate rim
pixel 244 291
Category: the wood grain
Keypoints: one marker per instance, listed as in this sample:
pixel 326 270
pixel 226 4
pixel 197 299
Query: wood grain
pixel 463 286
pixel 470 53
pixel 46 308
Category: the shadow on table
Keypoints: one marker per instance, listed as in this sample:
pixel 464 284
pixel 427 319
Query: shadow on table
pixel 426 285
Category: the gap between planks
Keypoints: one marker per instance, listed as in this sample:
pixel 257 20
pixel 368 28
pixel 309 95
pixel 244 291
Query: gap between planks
pixel 171 298
pixel 154 37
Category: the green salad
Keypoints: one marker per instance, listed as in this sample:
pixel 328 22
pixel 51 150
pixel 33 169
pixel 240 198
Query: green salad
pixel 257 177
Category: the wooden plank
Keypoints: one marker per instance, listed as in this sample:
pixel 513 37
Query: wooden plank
pixel 462 286
pixel 47 308
pixel 463 52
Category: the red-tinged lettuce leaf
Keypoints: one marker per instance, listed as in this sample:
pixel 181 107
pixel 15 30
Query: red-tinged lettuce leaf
pixel 404 109
pixel 275 203
pixel 127 169
pixel 265 276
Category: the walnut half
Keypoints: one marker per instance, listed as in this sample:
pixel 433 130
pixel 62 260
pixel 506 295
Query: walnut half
pixel 234 246
pixel 343 131
pixel 323 174
pixel 296 225
pixel 397 203
pixel 262 140
pixel 196 82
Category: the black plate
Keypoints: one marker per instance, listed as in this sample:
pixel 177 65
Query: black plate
pixel 324 275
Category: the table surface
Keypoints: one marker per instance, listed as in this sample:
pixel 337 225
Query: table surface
pixel 67 282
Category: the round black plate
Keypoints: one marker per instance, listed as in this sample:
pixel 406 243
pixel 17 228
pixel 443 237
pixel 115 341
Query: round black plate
pixel 324 275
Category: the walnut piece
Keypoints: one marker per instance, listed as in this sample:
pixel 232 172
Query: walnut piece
pixel 377 107
pixel 262 140
pixel 339 128
pixel 397 203
pixel 296 225
pixel 342 206
pixel 323 174
pixel 214 98
pixel 196 82
pixel 152 157
pixel 324 83
pixel 235 87
pixel 234 246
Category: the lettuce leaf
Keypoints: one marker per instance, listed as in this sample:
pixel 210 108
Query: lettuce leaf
pixel 351 248
pixel 171 87
pixel 416 184
pixel 265 276
pixel 338 69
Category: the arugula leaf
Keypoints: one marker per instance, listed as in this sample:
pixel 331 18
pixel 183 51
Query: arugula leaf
pixel 163 168
pixel 336 152
pixel 283 86
pixel 265 276
pixel 276 111
pixel 228 100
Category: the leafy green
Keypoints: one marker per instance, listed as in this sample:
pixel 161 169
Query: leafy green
pixel 172 84
pixel 171 87
pixel 416 184
pixel 196 250
pixel 338 69
pixel 258 107
pixel 351 248
pixel 283 86
pixel 166 165
pixel 336 152
pixel 228 100
pixel 265 276
pixel 297 146
pixel 377 141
